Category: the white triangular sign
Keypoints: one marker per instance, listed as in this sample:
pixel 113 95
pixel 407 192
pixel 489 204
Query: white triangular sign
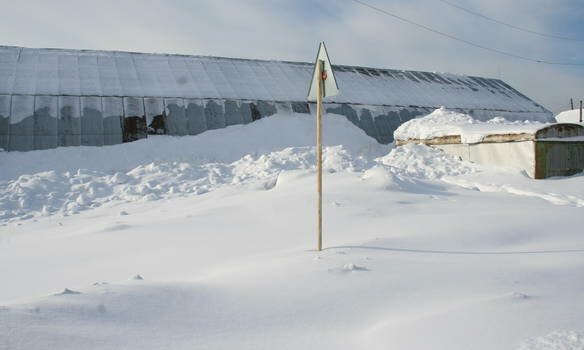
pixel 330 83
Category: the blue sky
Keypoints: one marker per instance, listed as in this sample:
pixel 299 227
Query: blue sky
pixel 291 30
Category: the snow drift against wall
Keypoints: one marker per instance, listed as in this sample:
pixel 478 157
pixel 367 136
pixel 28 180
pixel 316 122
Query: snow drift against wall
pixel 73 179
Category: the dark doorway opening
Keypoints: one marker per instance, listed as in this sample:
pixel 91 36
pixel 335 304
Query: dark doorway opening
pixel 158 125
pixel 135 128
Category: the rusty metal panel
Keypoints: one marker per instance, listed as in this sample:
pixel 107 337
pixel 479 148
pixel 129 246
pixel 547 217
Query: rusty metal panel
pixel 560 130
pixel 498 138
pixel 559 158
pixel 442 140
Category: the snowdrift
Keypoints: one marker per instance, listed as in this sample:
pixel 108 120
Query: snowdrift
pixel 421 248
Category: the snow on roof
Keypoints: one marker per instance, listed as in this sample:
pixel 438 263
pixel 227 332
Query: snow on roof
pixel 444 126
pixel 28 71
pixel 569 116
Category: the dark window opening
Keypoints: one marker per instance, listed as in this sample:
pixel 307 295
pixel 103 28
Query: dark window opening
pixel 135 128
pixel 255 112
pixel 157 126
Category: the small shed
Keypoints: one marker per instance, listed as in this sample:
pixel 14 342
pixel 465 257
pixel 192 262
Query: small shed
pixel 540 150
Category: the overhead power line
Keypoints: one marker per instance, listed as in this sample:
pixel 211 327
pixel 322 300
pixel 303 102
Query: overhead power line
pixel 508 24
pixel 435 31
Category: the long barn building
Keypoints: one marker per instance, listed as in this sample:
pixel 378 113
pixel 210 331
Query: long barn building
pixel 55 97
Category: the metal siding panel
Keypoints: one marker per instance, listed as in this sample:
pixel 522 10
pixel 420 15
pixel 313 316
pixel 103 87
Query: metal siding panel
pixel 146 68
pixel 21 136
pixel 102 73
pixel 25 76
pixel 195 114
pixel 68 71
pixel 206 86
pixel 69 121
pixel 266 108
pixel 45 122
pixel 238 82
pixel 113 114
pixel 91 121
pixel 245 110
pixel 558 158
pixel 4 121
pixel 109 76
pixel 214 114
pixel 89 75
pixel 128 76
pixel 47 75
pixel 8 57
pixel 154 109
pixel 133 107
pixel 224 89
pixel 135 126
pixel 257 90
pixel 183 81
pixel 175 116
pixel 233 114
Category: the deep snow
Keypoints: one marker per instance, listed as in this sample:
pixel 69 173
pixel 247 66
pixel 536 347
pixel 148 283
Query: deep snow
pixel 444 122
pixel 422 251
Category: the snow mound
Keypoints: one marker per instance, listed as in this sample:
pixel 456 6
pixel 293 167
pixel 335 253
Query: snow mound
pixel 421 161
pixel 442 122
pixel 225 145
pixel 69 180
pixel 570 116
pixel 68 193
pixel 68 291
pixel 347 268
pixel 559 340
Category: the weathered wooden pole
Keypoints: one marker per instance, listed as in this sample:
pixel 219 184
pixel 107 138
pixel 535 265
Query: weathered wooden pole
pixel 322 85
pixel 320 93
pixel 580 111
pixel 571 103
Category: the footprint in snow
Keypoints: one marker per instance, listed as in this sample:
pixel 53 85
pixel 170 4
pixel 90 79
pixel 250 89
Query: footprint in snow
pixel 138 278
pixel 117 227
pixel 348 268
pixel 519 296
pixel 68 291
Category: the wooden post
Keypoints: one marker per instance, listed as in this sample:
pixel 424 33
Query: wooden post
pixel 320 92
pixel 571 103
pixel 580 111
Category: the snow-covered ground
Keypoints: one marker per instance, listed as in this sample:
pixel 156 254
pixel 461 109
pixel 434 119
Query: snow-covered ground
pixel 422 251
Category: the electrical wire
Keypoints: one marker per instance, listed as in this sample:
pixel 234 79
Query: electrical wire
pixel 508 24
pixel 435 31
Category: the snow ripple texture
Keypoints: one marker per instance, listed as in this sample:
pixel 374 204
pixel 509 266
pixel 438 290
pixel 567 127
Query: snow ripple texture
pixel 559 340
pixel 67 193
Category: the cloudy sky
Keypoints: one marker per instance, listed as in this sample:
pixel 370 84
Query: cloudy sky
pixel 355 35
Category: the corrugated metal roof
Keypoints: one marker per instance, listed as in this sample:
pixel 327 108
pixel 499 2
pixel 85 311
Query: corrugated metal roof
pixel 26 71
